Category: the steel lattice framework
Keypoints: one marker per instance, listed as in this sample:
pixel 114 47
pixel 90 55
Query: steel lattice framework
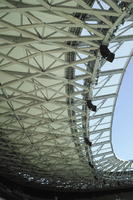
pixel 50 64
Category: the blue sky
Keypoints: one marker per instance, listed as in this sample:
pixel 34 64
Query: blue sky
pixel 122 133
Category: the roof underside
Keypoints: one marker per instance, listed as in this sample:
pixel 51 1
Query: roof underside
pixel 49 65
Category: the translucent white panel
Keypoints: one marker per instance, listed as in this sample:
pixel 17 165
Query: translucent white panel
pixel 109 102
pixel 79 55
pixel 113 45
pixel 78 72
pixel 123 26
pixel 102 80
pixel 105 91
pixel 80 82
pixel 102 139
pixel 125 49
pixel 97 102
pixel 106 133
pixel 128 32
pixel 85 32
pixel 103 110
pixel 83 66
pixel 91 22
pixel 116 64
pixel 115 79
pixel 102 126
pixel 93 122
pixel 106 119
pixel 101 5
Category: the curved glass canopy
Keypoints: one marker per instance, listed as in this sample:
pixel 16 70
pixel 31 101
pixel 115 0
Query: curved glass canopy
pixel 50 65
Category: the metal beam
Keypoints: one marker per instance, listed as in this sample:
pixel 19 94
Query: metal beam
pixel 111 72
pixel 96 98
pixel 102 154
pixel 101 115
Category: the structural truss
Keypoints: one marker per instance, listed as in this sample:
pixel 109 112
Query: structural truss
pixel 50 64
